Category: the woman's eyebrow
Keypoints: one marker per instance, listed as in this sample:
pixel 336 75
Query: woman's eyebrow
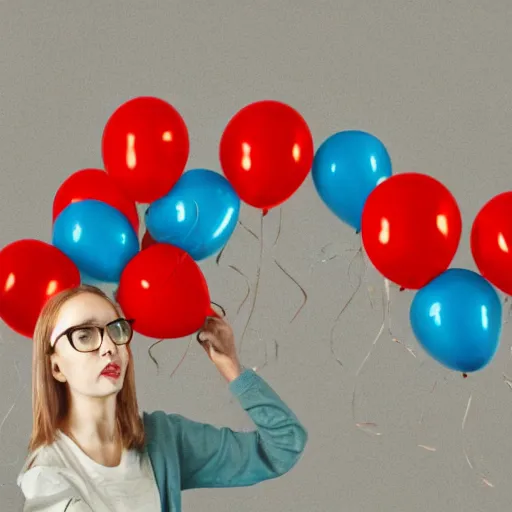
pixel 88 321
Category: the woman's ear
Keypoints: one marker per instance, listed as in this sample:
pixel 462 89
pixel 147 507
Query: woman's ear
pixel 57 374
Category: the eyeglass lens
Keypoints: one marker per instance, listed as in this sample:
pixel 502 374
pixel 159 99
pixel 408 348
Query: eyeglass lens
pixel 88 339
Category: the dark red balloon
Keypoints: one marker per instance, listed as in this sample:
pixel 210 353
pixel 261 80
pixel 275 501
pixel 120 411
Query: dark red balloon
pixel 94 184
pixel 145 148
pixel 31 272
pixel 164 291
pixel 266 152
pixel 411 229
pixel 491 241
pixel 147 241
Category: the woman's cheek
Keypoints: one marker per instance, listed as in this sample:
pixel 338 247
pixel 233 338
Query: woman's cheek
pixel 125 358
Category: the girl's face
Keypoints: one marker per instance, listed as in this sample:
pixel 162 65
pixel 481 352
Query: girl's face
pixel 96 374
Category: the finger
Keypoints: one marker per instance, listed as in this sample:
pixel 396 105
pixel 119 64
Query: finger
pixel 216 325
pixel 212 327
pixel 223 328
pixel 204 336
pixel 217 331
pixel 204 343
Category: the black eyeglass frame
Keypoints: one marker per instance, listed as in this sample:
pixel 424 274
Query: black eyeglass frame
pixel 70 330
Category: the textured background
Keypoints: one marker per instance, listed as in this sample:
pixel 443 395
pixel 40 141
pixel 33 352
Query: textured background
pixel 431 80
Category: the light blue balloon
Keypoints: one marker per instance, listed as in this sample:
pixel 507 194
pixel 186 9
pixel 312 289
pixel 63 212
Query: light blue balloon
pixel 198 215
pixel 346 168
pixel 108 288
pixel 98 238
pixel 457 320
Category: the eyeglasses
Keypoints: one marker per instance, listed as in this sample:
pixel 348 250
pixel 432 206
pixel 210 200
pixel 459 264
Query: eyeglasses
pixel 88 338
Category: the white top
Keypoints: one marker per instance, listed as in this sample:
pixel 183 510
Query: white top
pixel 61 477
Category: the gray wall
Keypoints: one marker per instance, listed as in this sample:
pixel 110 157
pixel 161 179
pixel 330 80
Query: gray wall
pixel 431 79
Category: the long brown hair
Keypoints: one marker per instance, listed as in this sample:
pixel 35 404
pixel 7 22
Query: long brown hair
pixel 50 397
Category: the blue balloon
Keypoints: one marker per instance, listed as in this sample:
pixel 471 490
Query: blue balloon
pixel 346 168
pixel 108 288
pixel 198 215
pixel 98 238
pixel 457 320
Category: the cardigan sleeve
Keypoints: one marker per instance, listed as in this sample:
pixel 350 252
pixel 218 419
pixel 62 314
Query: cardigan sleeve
pixel 220 457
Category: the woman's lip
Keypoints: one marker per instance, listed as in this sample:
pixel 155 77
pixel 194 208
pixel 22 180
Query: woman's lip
pixel 111 374
pixel 111 370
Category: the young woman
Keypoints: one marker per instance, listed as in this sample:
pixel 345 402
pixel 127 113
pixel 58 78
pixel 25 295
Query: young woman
pixel 90 449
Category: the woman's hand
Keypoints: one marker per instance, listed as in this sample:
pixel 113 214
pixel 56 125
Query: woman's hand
pixel 217 339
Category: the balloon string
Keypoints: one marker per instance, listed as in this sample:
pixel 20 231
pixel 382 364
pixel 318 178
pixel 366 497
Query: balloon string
pixel 222 310
pixel 150 354
pixel 385 316
pixel 326 258
pixel 437 383
pixel 286 273
pixel 247 293
pixel 256 286
pixel 389 321
pixel 156 362
pixel 484 479
pixel 463 426
pixel 422 415
pixel 238 271
pixel 386 322
pixel 265 362
pixel 279 227
pixel 509 313
pixel 366 426
pixel 219 256
pixel 304 294
pixel 346 304
pixel 182 357
pixel 252 233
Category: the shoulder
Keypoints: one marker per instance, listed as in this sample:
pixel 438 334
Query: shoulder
pixel 47 455
pixel 164 430
pixel 161 420
pixel 41 466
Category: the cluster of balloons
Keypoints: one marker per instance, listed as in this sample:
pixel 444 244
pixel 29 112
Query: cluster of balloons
pixel 410 225
pixel 266 152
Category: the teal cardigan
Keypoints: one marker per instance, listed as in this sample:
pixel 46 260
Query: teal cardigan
pixel 187 455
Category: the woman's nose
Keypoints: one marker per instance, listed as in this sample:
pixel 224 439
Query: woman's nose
pixel 108 346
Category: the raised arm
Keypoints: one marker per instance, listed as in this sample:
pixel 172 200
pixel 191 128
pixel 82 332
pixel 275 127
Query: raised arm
pixel 220 457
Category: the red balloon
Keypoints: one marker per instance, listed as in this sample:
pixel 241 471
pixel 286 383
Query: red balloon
pixel 266 152
pixel 147 241
pixel 30 273
pixel 145 147
pixel 491 241
pixel 164 291
pixel 411 229
pixel 94 184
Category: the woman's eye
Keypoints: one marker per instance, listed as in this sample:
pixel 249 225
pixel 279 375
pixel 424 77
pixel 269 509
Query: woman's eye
pixel 83 336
